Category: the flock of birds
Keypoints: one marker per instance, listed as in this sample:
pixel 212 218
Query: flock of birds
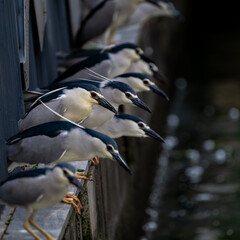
pixel 76 117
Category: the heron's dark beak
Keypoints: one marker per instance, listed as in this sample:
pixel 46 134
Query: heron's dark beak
pixel 75 181
pixel 136 101
pixel 116 156
pixel 104 103
pixel 153 134
pixel 160 77
pixel 158 91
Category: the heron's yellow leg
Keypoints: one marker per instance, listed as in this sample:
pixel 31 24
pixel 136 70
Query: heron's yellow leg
pixel 31 221
pixel 26 226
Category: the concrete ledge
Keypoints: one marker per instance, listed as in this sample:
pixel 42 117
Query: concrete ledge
pixel 53 220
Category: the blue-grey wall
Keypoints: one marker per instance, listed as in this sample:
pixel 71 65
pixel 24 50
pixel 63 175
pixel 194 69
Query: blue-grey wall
pixel 42 64
pixel 10 78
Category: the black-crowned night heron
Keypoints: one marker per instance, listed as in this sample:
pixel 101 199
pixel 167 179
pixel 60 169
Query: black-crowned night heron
pixel 150 9
pixel 60 141
pixel 96 22
pixel 105 18
pixel 140 83
pixel 148 67
pixel 144 65
pixel 73 102
pixel 123 10
pixel 127 125
pixel 37 189
pixel 109 63
pixel 117 93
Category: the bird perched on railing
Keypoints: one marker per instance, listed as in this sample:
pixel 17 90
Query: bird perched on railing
pixel 140 83
pixel 148 67
pixel 117 93
pixel 111 62
pixel 73 102
pixel 96 22
pixel 37 189
pixel 111 15
pixel 105 19
pixel 60 141
pixel 143 65
pixel 150 9
pixel 127 125
pixel 123 11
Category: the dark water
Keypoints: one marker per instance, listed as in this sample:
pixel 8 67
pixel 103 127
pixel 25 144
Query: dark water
pixel 196 195
pixel 202 195
pixel 201 200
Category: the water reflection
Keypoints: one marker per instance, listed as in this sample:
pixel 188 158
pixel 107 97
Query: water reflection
pixel 181 83
pixel 208 145
pixel 234 113
pixel 194 173
pixel 172 121
pixel 220 156
pixel 193 155
pixel 202 194
pixel 170 142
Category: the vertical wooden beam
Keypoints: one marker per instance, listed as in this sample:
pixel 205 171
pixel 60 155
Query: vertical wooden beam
pixel 11 103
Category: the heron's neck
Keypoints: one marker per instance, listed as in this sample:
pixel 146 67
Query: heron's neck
pixel 112 128
pixel 120 63
pixel 108 95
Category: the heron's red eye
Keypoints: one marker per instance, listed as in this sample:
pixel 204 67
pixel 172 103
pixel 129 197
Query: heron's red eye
pixel 93 94
pixel 128 95
pixel 145 82
pixel 109 148
pixel 138 50
pixel 140 125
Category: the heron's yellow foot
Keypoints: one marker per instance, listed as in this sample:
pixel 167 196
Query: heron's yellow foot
pixel 69 195
pixel 95 161
pixel 83 176
pixel 70 201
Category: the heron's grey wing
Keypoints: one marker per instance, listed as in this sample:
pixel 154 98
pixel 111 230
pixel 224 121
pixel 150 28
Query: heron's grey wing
pixel 21 192
pixel 80 66
pixel 97 21
pixel 37 149
pixel 103 68
pixel 40 114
